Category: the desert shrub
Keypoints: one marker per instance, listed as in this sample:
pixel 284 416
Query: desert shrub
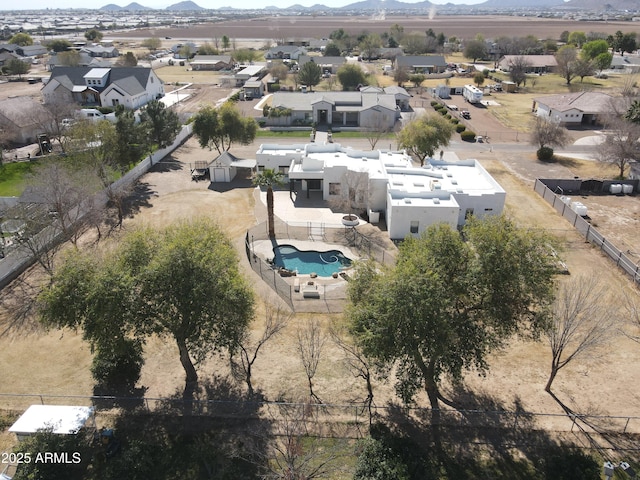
pixel 460 128
pixel 105 110
pixel 455 121
pixel 468 136
pixel 545 154
pixel 448 116
pixel 434 103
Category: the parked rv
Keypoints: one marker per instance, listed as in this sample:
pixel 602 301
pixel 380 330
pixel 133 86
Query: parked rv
pixel 472 94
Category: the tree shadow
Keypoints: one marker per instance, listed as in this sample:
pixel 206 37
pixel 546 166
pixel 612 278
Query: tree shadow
pixel 210 435
pixel 139 199
pixel 108 396
pixel 167 164
pixel 485 438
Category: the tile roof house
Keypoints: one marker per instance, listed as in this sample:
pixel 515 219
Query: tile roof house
pixel 131 87
pixel 336 109
pixel 534 63
pixel 579 108
pixel 421 63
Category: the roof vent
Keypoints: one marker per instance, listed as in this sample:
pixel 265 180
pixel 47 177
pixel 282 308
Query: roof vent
pixel 436 201
pixel 449 174
pixel 407 200
pixel 454 181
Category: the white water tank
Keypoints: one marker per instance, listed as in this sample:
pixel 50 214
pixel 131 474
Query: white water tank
pixel 566 200
pixel 627 189
pixel 579 208
pixel 615 188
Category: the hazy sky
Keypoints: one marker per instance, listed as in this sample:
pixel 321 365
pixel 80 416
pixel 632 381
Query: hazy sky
pixel 41 4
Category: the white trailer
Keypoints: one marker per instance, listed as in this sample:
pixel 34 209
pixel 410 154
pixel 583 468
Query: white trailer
pixel 472 94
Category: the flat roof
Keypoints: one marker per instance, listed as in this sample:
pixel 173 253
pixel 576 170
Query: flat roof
pixel 62 419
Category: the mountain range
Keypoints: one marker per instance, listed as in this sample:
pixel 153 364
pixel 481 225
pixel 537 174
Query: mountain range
pixel 395 5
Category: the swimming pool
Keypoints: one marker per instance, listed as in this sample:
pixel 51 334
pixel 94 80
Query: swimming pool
pixel 324 264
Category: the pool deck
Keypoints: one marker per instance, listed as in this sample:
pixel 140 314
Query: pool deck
pixel 329 288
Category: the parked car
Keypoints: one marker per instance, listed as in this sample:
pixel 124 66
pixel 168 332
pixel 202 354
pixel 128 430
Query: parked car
pixel 465 114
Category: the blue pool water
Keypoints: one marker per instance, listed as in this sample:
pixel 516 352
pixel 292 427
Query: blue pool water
pixel 310 261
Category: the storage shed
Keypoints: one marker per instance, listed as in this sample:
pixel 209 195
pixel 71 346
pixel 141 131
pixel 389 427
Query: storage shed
pixel 62 419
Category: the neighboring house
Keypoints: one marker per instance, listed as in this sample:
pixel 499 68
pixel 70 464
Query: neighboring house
pixel 22 118
pixel 318 44
pixel 327 64
pixel 31 50
pixel 579 108
pixel 410 198
pixel 8 47
pixel 285 52
pixel 634 170
pixel 131 87
pixel 225 167
pixel 627 63
pixel 534 63
pixel 400 94
pixel 101 51
pixel 85 60
pixel 212 62
pixel 421 63
pixel 175 49
pixel 6 57
pixel 338 109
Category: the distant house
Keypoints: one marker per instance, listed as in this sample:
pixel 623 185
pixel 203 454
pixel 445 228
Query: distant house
pixel 421 63
pixel 285 52
pixel 31 50
pixel 22 118
pixel 579 108
pixel 131 87
pixel 85 60
pixel 101 51
pixel 626 62
pixel 253 88
pixel 401 96
pixel 534 63
pixel 337 109
pixel 212 62
pixel 327 64
pixel 177 48
pixel 6 57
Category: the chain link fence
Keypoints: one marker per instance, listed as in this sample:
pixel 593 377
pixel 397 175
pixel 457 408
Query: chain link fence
pixel 588 231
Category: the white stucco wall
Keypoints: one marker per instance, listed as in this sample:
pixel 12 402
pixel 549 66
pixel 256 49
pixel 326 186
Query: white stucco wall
pixel 424 211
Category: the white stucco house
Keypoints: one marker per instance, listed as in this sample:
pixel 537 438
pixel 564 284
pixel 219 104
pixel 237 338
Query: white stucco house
pixel 132 87
pixel 579 108
pixel 409 198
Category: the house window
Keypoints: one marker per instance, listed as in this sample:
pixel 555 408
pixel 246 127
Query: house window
pixel 334 189
pixel 414 226
pixel 151 79
pixel 115 102
pixel 468 214
pixel 284 170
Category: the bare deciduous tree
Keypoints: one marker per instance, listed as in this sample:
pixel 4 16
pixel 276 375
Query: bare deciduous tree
pixel 620 145
pixel 293 451
pixel 375 129
pixel 518 67
pixel 582 321
pixel 356 363
pixel 548 133
pixel 311 341
pixel 351 194
pixel 274 321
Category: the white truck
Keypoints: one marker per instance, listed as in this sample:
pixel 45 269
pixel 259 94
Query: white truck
pixel 472 94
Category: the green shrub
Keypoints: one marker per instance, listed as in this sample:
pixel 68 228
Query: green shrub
pixel 448 116
pixel 545 154
pixel 117 366
pixel 434 103
pixel 468 136
pixel 460 128
pixel 455 121
pixel 105 110
pixel 262 123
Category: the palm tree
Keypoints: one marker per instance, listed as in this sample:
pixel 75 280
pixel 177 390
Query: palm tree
pixel 268 178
